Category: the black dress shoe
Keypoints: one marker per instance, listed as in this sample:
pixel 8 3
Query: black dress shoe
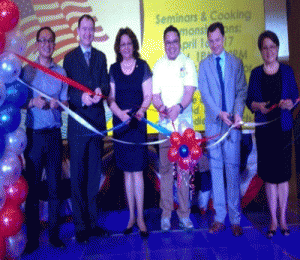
pixel 98 232
pixel 271 233
pixel 128 231
pixel 144 234
pixel 82 237
pixel 30 247
pixel 285 232
pixel 56 242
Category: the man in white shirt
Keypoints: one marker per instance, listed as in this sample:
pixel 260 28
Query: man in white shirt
pixel 174 83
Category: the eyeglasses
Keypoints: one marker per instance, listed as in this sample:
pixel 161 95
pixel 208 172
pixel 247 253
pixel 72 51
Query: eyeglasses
pixel 44 41
pixel 168 44
pixel 271 48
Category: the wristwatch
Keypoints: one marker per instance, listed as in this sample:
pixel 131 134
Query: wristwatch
pixel 181 108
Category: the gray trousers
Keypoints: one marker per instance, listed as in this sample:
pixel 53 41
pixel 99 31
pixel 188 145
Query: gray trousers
pixel 225 158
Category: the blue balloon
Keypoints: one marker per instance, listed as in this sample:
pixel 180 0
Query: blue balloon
pixel 16 94
pixel 2 146
pixel 2 93
pixel 10 118
pixel 183 151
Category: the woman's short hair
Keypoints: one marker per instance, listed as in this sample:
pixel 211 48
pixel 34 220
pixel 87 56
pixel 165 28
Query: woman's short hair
pixel 267 34
pixel 134 40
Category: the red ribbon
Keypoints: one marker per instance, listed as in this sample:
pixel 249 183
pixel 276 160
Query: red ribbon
pixel 57 75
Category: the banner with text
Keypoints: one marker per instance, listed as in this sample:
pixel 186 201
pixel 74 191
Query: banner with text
pixel 243 21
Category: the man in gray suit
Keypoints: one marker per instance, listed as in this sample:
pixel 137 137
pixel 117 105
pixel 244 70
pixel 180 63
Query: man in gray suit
pixel 223 90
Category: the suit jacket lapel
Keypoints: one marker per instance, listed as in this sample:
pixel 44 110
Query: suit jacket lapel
pixel 213 70
pixel 227 71
pixel 92 58
pixel 92 66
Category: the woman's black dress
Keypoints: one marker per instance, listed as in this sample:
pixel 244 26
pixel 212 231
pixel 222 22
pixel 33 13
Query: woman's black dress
pixel 129 95
pixel 274 149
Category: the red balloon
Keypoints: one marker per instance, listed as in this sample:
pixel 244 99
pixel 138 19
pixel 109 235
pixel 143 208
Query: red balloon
pixel 2 42
pixel 2 248
pixel 16 193
pixel 189 142
pixel 11 220
pixel 173 154
pixel 175 139
pixel 9 15
pixel 196 152
pixel 184 163
pixel 189 134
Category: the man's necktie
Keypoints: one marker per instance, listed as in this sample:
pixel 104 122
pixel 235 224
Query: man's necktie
pixel 221 83
pixel 87 56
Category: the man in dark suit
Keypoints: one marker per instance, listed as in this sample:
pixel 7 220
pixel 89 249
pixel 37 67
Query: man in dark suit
pixel 223 90
pixel 87 66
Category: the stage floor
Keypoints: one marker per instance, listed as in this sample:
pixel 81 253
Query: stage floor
pixel 179 244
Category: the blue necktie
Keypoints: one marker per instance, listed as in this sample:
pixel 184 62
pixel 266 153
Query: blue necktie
pixel 87 56
pixel 221 83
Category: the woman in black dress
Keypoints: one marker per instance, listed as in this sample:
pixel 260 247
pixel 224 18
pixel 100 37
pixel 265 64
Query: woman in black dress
pixel 271 96
pixel 131 92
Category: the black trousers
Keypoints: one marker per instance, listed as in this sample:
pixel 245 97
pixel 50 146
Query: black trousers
pixel 86 170
pixel 44 150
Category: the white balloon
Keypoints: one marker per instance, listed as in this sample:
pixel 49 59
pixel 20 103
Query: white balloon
pixel 15 245
pixel 2 93
pixel 2 195
pixel 10 67
pixel 16 141
pixel 183 125
pixel 16 42
pixel 10 168
pixel 198 135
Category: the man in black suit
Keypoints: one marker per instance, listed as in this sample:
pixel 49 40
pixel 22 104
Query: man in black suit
pixel 87 66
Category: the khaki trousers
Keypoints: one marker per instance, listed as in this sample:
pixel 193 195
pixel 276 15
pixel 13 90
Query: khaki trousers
pixel 166 185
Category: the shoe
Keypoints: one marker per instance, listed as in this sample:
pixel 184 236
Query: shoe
pixel 144 234
pixel 216 228
pixel 165 224
pixel 186 223
pixel 271 233
pixel 285 232
pixel 128 231
pixel 82 237
pixel 30 247
pixel 56 242
pixel 98 232
pixel 237 230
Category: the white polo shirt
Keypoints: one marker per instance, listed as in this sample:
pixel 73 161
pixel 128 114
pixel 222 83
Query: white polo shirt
pixel 169 79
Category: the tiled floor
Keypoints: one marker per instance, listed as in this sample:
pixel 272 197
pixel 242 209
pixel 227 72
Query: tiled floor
pixel 179 244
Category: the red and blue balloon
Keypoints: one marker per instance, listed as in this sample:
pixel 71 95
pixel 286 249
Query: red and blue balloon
pixel 13 140
pixel 185 149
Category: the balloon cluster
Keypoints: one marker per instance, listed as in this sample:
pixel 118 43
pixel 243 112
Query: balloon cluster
pixel 13 140
pixel 185 149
